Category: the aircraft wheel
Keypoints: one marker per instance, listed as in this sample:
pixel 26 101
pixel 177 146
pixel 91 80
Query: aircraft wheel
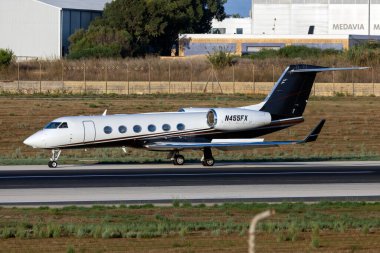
pixel 208 162
pixel 179 160
pixel 52 164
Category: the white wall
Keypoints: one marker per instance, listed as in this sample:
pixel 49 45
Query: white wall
pixel 30 28
pixel 230 24
pixel 328 17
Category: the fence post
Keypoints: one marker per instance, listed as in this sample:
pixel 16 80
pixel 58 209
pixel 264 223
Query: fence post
pixel 62 73
pixel 352 80
pixel 233 77
pixel 191 77
pixel 212 79
pixel 169 76
pixel 106 76
pixel 333 80
pixel 253 78
pixel 18 76
pixel 373 82
pixel 149 78
pixel 128 78
pixel 40 76
pixel 84 77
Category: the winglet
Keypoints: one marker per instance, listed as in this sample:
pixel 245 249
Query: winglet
pixel 314 134
pixel 104 113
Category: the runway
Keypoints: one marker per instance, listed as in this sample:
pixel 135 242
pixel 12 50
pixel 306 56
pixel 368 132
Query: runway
pixel 163 183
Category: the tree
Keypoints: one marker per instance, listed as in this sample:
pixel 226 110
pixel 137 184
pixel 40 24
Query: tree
pixel 6 57
pixel 139 27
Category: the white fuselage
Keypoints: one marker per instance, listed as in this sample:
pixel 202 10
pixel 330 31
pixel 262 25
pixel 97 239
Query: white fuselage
pixel 83 130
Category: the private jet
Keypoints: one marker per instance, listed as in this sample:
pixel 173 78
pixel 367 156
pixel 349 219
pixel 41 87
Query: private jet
pixel 191 128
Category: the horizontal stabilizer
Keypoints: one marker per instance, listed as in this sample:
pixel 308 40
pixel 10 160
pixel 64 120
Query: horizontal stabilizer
pixel 326 69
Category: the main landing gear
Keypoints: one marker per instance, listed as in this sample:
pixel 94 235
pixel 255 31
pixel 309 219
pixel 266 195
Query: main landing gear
pixel 53 160
pixel 206 160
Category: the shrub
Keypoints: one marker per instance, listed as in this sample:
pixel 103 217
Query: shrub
pixel 220 58
pixel 6 57
pixel 365 54
pixel 303 52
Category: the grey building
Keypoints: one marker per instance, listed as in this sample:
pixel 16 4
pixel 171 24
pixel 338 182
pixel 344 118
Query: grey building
pixel 41 28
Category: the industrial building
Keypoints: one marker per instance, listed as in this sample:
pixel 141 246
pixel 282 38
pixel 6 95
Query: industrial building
pixel 41 28
pixel 333 24
pixel 299 17
pixel 324 17
pixel 232 26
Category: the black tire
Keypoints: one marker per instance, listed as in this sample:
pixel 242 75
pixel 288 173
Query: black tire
pixel 52 164
pixel 179 160
pixel 208 162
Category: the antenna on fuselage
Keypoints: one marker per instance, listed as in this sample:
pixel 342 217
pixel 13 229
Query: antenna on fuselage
pixel 104 113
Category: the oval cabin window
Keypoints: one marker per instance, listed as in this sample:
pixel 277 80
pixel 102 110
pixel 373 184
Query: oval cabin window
pixel 137 129
pixel 151 128
pixel 180 127
pixel 166 127
pixel 108 129
pixel 122 129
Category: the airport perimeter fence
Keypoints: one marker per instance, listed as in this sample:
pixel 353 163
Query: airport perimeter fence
pixel 171 76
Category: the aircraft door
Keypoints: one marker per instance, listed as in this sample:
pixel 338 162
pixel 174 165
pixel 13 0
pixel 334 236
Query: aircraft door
pixel 89 131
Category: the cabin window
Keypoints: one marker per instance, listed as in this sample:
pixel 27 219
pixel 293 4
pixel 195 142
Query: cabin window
pixel 108 129
pixel 122 129
pixel 152 128
pixel 137 129
pixel 53 125
pixel 64 125
pixel 166 127
pixel 180 127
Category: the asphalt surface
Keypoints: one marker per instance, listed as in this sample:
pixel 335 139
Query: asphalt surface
pixel 169 175
pixel 163 183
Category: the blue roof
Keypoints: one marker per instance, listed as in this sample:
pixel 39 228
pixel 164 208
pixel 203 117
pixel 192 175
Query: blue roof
pixel 96 5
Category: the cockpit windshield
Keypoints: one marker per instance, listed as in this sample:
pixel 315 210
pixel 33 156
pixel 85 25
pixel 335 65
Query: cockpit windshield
pixel 64 125
pixel 55 125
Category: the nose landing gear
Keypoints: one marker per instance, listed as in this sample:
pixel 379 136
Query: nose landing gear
pixel 176 158
pixel 53 160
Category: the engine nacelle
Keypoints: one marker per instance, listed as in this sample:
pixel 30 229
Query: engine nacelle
pixel 229 119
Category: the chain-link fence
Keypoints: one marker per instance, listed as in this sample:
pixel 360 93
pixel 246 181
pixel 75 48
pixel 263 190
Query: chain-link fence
pixel 171 76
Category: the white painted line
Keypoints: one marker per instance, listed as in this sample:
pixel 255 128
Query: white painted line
pixel 214 192
pixel 190 174
pixel 294 165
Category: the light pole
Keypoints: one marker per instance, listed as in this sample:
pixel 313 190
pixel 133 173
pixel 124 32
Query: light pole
pixel 369 18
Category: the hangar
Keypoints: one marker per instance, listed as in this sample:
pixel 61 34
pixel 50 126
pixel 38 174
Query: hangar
pixel 41 28
pixel 325 24
pixel 333 17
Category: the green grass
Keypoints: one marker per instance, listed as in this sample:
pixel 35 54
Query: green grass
pixel 121 222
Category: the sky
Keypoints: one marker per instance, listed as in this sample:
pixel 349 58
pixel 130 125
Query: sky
pixel 238 6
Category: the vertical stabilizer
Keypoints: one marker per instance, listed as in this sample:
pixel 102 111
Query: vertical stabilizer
pixel 291 92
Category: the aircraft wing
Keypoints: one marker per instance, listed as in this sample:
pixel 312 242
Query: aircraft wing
pixel 233 144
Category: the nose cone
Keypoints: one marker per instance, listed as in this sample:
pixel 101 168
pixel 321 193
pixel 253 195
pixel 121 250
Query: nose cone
pixel 35 141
